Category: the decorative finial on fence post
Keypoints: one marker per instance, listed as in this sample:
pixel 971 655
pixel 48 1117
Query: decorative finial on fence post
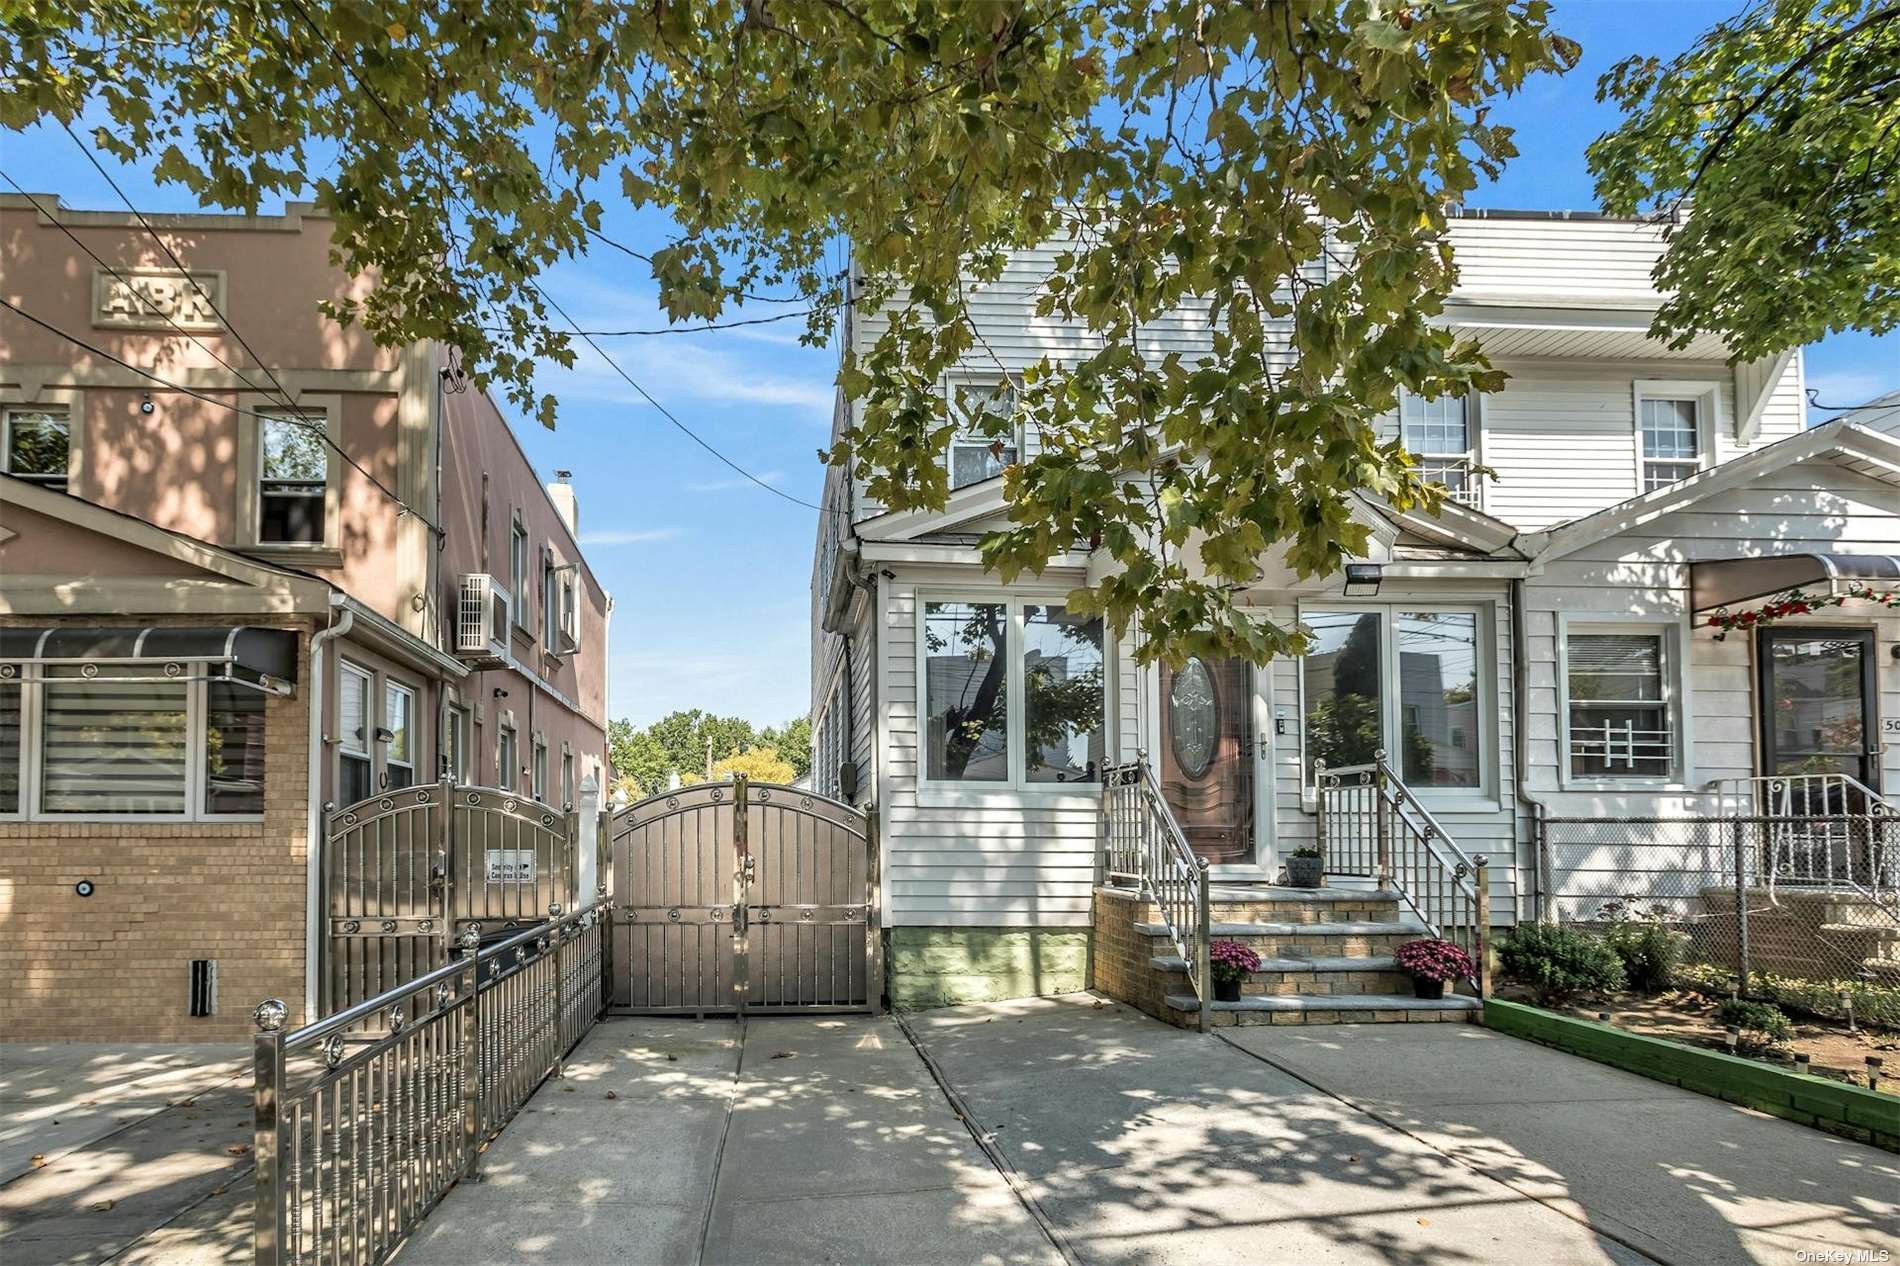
pixel 269 1015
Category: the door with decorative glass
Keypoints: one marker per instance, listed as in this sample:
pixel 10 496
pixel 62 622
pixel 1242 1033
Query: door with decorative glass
pixel 1206 761
pixel 1817 692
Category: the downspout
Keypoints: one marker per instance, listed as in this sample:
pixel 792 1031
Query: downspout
pixel 313 829
pixel 1520 743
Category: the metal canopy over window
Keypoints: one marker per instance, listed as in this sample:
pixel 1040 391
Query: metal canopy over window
pixel 261 659
pixel 1728 581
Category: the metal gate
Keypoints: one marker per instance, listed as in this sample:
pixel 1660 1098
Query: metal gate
pixel 744 897
pixel 403 880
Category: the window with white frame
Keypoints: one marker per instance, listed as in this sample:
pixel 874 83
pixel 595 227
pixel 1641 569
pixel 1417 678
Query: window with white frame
pixel 550 602
pixel 507 757
pixel 570 607
pixel 1014 693
pixel 399 752
pixel 455 724
pixel 1619 718
pixel 1401 679
pixel 36 445
pixel 293 473
pixel 355 776
pixel 567 777
pixel 540 771
pixel 121 740
pixel 987 437
pixel 518 570
pixel 1439 434
pixel 1670 439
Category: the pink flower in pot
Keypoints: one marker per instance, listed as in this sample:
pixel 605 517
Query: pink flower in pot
pixel 1232 963
pixel 1432 963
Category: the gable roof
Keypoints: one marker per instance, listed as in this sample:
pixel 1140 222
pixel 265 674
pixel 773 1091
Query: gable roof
pixel 1856 448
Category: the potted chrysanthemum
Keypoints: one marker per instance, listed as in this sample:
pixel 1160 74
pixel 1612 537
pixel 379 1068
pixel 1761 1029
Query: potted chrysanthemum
pixel 1232 963
pixel 1431 963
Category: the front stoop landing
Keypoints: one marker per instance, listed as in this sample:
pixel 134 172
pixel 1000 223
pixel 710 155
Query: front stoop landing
pixel 1326 958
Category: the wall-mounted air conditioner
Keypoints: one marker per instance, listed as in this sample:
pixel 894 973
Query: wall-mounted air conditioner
pixel 482 618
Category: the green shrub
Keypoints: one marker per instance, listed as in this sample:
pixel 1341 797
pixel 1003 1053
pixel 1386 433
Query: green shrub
pixel 1874 1004
pixel 1560 962
pixel 1649 953
pixel 1761 1023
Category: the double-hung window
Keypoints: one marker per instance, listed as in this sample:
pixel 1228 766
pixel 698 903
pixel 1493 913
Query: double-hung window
pixel 293 477
pixel 507 757
pixel 354 770
pixel 1669 437
pixel 986 439
pixel 122 740
pixel 518 571
pixel 1619 718
pixel 1014 693
pixel 36 445
pixel 1402 680
pixel 399 752
pixel 550 603
pixel 1439 435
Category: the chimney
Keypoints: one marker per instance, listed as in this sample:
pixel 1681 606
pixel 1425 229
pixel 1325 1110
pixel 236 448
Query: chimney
pixel 561 493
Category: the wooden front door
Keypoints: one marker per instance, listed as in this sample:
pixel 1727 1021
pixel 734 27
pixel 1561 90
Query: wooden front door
pixel 1206 760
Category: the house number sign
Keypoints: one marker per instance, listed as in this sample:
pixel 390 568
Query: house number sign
pixel 510 865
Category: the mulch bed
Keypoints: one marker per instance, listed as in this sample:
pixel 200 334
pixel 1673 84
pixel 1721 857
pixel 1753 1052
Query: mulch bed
pixel 1687 1017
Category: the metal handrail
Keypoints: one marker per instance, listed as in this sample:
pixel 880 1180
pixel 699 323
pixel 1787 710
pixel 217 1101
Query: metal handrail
pixel 1447 888
pixel 1160 874
pixel 1798 831
pixel 351 1159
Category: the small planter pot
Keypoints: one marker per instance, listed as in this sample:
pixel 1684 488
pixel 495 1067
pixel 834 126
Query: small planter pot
pixel 1424 988
pixel 1305 872
pixel 1227 991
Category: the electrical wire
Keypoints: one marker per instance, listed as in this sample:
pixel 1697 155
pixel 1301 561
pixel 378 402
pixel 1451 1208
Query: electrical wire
pixel 1815 403
pixel 169 385
pixel 682 329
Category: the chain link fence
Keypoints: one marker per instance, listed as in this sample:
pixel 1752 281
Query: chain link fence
pixel 1803 911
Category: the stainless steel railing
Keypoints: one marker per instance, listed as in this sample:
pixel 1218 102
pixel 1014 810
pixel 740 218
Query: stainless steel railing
pixel 1371 826
pixel 1143 847
pixel 365 1118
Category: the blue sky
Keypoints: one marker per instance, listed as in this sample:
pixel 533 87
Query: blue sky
pixel 710 574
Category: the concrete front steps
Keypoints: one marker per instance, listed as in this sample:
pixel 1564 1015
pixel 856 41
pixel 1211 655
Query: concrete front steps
pixel 1326 958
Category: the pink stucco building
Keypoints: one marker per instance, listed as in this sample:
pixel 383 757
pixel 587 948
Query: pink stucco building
pixel 250 564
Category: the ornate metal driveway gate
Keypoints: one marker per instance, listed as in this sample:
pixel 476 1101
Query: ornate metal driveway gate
pixel 402 880
pixel 744 897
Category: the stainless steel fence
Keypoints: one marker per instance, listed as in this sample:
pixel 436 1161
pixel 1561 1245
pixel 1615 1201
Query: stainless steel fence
pixel 1371 826
pixel 1776 903
pixel 367 1117
pixel 1143 848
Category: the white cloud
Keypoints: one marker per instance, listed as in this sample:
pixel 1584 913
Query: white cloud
pixel 629 538
pixel 727 485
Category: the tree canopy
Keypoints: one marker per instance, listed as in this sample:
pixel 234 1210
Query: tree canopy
pixel 1281 171
pixel 761 764
pixel 1779 132
pixel 645 760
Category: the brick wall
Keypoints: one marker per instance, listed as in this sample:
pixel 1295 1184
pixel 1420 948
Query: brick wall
pixel 1122 967
pixel 115 966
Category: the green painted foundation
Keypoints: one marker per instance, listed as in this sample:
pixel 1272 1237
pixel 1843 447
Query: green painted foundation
pixel 1870 1115
pixel 942 967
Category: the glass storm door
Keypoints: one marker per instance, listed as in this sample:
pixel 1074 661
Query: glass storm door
pixel 1817 692
pixel 1206 762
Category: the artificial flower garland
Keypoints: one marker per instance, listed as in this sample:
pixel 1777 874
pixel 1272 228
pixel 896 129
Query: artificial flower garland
pixel 1795 602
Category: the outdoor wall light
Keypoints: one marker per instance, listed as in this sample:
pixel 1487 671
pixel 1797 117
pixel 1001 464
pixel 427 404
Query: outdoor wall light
pixel 145 403
pixel 1362 579
pixel 384 734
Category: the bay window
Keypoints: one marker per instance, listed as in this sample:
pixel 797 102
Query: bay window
pixel 1014 693
pixel 1618 722
pixel 115 740
pixel 1405 680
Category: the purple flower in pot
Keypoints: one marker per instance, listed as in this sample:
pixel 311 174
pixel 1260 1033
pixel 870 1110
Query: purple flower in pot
pixel 1232 963
pixel 1432 963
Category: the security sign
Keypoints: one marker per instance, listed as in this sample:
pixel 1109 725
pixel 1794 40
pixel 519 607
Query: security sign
pixel 510 865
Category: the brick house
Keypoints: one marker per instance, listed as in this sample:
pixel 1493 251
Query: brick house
pixel 250 564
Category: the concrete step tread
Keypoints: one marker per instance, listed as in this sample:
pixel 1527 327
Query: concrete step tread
pixel 1280 892
pixel 1330 1002
pixel 1403 927
pixel 1174 962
